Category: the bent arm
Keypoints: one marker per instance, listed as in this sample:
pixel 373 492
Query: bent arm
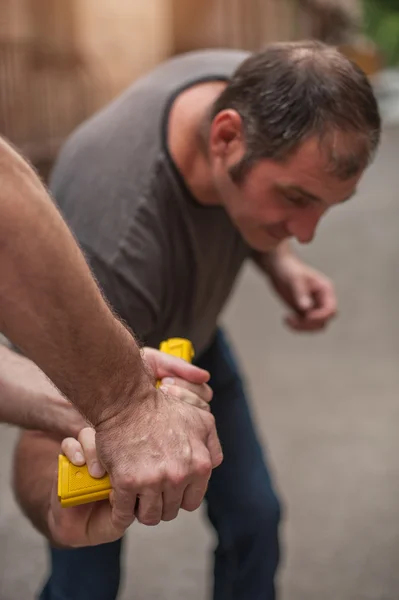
pixel 29 399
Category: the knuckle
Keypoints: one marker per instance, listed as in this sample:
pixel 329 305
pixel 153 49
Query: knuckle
pixel 208 393
pixel 152 482
pixel 125 483
pixel 210 420
pixel 143 486
pixel 203 467
pixel 175 479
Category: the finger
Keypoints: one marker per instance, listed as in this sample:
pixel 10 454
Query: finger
pixel 150 506
pixel 164 365
pixel 202 390
pixel 123 508
pixel 213 443
pixel 303 324
pixel 100 527
pixel 193 496
pixel 196 490
pixel 73 451
pixel 185 396
pixel 172 500
pixel 325 304
pixel 301 294
pixel 87 439
pixel 324 313
pixel 181 368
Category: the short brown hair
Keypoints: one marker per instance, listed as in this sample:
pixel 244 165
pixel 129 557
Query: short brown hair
pixel 294 90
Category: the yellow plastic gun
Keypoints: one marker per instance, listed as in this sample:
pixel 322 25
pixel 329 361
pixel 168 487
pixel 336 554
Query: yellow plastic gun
pixel 75 484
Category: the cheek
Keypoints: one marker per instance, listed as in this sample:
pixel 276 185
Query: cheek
pixel 267 211
pixel 263 205
pixel 250 208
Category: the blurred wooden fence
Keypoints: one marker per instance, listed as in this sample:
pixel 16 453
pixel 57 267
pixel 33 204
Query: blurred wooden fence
pixel 41 101
pixel 61 59
pixel 251 24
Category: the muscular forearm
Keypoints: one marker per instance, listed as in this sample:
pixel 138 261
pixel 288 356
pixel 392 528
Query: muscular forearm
pixel 29 399
pixel 35 462
pixel 51 307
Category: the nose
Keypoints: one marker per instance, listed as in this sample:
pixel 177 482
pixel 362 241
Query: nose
pixel 303 228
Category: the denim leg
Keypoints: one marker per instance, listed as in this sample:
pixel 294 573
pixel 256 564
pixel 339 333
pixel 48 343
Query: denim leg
pixel 90 573
pixel 242 505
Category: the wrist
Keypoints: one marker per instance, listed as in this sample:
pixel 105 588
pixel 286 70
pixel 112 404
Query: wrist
pixel 270 261
pixel 69 422
pixel 117 380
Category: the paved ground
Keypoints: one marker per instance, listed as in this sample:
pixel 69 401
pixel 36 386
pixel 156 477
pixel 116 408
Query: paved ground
pixel 329 410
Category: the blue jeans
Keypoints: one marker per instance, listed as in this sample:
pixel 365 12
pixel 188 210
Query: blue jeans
pixel 242 507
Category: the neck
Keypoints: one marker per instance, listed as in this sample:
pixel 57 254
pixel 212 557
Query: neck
pixel 187 139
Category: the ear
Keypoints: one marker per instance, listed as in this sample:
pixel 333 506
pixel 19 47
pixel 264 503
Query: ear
pixel 226 138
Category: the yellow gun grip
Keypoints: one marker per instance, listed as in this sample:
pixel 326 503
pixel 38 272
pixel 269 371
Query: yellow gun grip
pixel 75 484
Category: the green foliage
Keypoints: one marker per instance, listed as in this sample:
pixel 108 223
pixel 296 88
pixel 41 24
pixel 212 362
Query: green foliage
pixel 382 25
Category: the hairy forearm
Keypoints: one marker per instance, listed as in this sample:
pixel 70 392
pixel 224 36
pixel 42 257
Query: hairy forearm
pixel 35 463
pixel 50 305
pixel 29 399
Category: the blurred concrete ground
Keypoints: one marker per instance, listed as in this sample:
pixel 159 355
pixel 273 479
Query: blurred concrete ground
pixel 328 408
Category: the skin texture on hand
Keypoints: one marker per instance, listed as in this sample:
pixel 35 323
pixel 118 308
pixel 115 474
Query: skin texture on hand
pixel 172 450
pixel 35 461
pixel 89 524
pixel 308 293
pixel 92 524
pixel 153 447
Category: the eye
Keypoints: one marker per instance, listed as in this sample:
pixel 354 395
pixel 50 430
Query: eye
pixel 298 201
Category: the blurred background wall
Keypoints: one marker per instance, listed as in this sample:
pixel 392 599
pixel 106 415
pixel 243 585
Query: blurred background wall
pixel 62 59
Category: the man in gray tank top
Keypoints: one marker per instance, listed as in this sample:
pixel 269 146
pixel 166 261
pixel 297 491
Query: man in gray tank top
pixel 214 158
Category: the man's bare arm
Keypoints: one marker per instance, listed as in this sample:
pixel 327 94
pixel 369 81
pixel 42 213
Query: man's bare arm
pixel 51 308
pixel 50 305
pixel 29 399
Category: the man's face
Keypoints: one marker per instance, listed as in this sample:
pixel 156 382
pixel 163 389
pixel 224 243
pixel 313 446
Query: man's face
pixel 280 200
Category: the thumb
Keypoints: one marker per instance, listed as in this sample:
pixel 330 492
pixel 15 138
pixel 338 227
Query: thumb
pixel 301 295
